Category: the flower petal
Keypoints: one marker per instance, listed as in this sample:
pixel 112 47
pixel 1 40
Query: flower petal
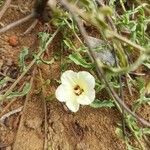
pixel 90 93
pixel 86 99
pixel 62 93
pixel 69 78
pixel 73 105
pixel 87 78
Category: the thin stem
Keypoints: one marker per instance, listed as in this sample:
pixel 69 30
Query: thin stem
pixel 99 70
pixel 16 23
pixel 101 2
pixel 137 138
pixel 140 3
pixel 28 67
pixel 73 31
pixel 3 118
pixel 132 67
pixel 88 18
pixel 123 111
pixel 122 5
pixel 11 102
pixel 32 26
pixel 125 40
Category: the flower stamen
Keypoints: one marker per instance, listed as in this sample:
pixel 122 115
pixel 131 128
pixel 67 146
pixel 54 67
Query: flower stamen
pixel 78 90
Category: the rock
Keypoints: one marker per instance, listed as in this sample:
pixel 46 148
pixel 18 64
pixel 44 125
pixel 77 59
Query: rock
pixel 102 51
pixel 13 40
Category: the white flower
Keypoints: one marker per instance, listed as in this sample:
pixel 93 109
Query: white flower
pixel 76 89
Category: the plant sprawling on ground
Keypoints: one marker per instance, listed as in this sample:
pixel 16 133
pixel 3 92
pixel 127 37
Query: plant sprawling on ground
pixel 118 46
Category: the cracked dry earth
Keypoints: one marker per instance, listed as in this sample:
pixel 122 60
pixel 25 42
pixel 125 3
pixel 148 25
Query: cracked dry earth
pixel 90 129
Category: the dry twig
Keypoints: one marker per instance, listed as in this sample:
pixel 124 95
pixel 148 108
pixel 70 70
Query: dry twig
pixel 98 68
pixel 2 119
pixel 10 103
pixel 16 23
pixel 28 67
pixel 31 27
pixel 5 7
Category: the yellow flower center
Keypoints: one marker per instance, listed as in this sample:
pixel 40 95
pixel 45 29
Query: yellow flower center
pixel 78 90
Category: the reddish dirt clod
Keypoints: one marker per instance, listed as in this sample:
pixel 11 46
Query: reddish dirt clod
pixel 13 40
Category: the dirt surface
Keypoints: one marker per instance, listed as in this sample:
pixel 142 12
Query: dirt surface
pixel 90 129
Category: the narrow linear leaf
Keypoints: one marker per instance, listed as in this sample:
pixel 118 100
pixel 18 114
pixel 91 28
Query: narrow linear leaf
pixel 78 60
pixel 22 56
pixel 68 43
pixel 147 65
pixel 5 80
pixel 48 62
pixel 25 90
pixel 130 147
pixel 105 103
pixel 146 131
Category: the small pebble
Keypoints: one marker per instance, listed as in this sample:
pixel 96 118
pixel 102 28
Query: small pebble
pixel 13 40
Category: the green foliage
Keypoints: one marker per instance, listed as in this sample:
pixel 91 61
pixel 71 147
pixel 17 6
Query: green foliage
pixel 88 4
pixel 44 40
pixel 4 80
pixel 136 26
pixel 1 2
pixel 78 60
pixel 15 94
pixel 134 23
pixel 142 100
pixel 25 91
pixel 112 3
pixel 48 62
pixel 139 83
pixel 102 103
pixel 146 131
pixel 147 64
pixel 69 44
pixel 22 57
pixel 130 147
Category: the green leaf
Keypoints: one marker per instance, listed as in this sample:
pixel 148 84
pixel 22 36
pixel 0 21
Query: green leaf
pixel 48 62
pixel 88 4
pixel 78 60
pixel 25 90
pixel 112 3
pixel 130 147
pixel 140 83
pixel 132 123
pixel 146 131
pixel 147 64
pixel 22 56
pixel 99 86
pixel 105 103
pixel 68 43
pixel 5 80
pixel 44 38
